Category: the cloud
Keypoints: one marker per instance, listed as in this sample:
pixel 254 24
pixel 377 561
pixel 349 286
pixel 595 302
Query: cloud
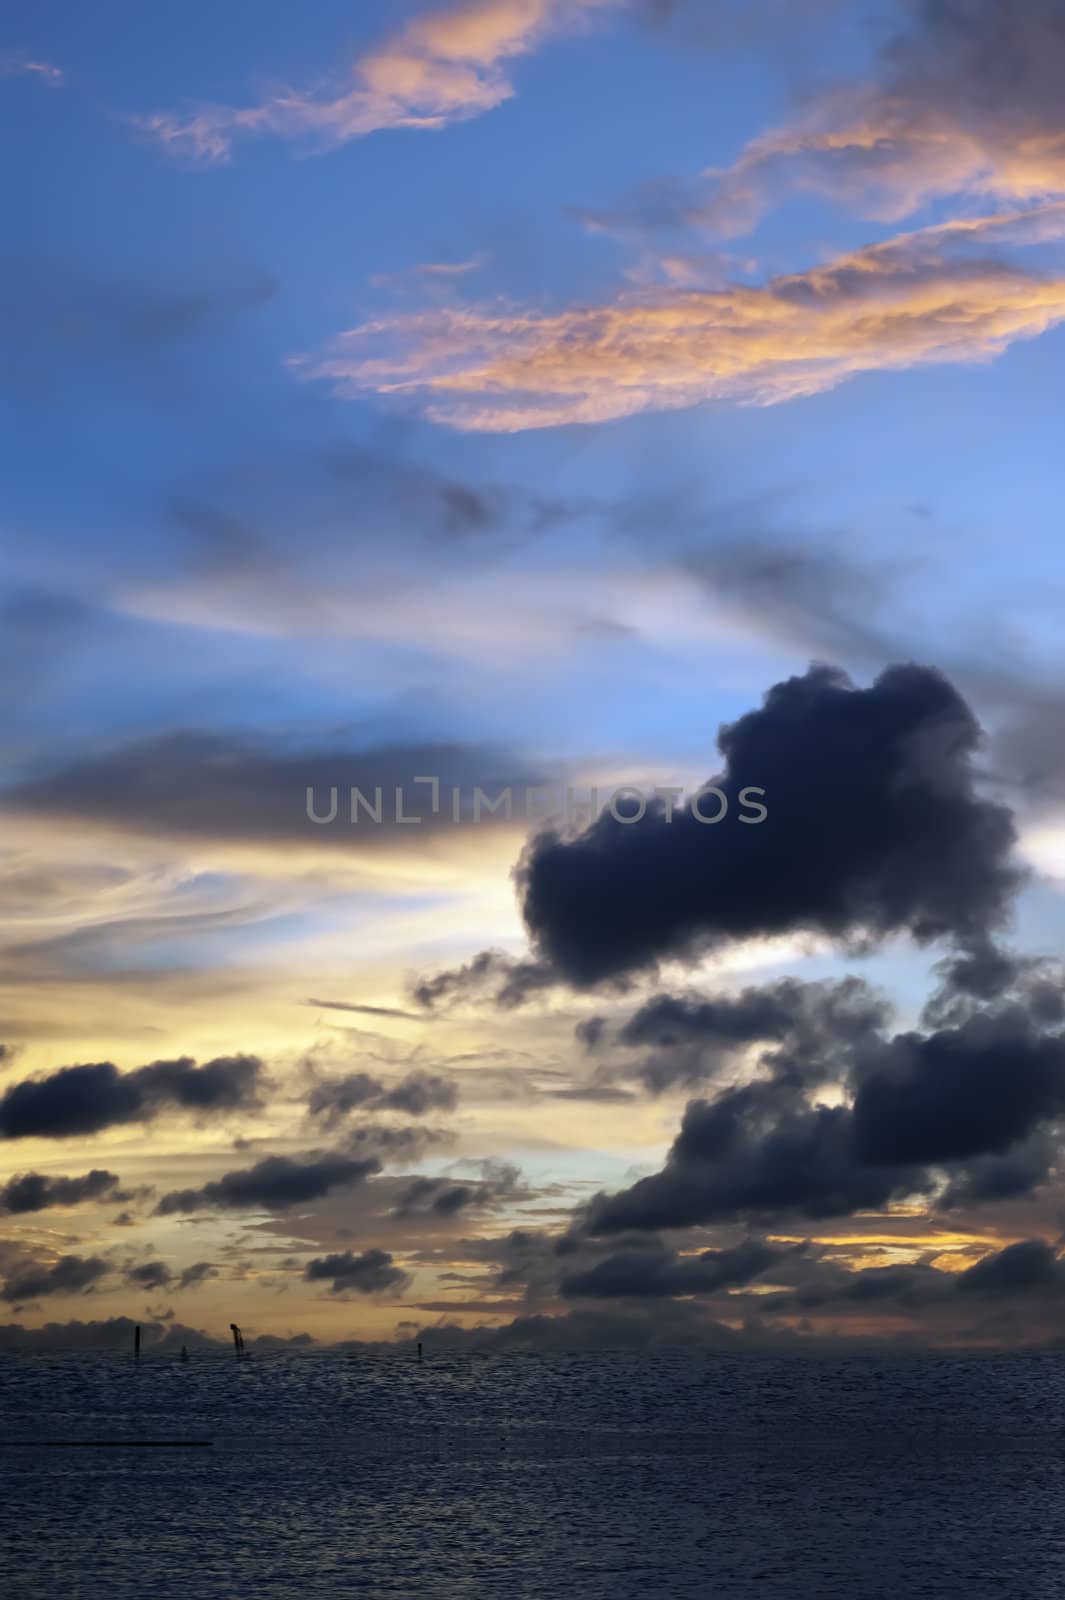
pixel 754 1153
pixel 816 596
pixel 500 1183
pixel 1030 1265
pixel 967 101
pixel 963 102
pixel 84 1099
pixel 231 787
pixel 69 1275
pixel 965 1111
pixel 149 1275
pixel 1007 1288
pixel 874 827
pixel 1025 1167
pixel 63 325
pixel 273 1184
pixel 812 1029
pixel 508 981
pixel 415 1094
pixel 111 1333
pixel 922 298
pixel 445 66
pixel 152 1275
pixel 373 1272
pixel 34 1191
pixel 365 1011
pixel 656 1272
pixel 973 1090
pixel 198 1273
pixel 18 65
pixel 652 1325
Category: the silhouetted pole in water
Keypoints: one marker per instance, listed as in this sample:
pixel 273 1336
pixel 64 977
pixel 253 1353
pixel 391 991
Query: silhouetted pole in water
pixel 419 1349
pixel 184 1352
pixel 238 1339
pixel 137 1341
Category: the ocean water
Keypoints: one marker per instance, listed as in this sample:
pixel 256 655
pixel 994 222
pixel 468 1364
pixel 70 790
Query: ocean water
pixel 583 1477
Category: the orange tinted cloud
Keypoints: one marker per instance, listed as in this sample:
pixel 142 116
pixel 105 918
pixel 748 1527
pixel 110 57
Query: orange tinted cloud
pixel 443 67
pixel 965 100
pixel 880 154
pixel 920 298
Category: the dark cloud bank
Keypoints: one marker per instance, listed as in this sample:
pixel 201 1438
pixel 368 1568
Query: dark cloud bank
pixel 85 1099
pixel 874 828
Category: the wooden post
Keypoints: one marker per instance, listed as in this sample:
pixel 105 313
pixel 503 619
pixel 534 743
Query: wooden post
pixel 238 1338
pixel 137 1342
pixel 419 1349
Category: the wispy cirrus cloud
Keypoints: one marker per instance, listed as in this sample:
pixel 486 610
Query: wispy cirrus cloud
pixel 923 297
pixel 445 66
pixel 17 64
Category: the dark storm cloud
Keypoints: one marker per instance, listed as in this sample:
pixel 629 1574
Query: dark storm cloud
pixel 153 1275
pixel 149 1275
pixel 372 1272
pixel 505 980
pixel 34 1191
pixel 80 1100
pixel 216 786
pixel 526 1257
pixel 392 1144
pixel 874 827
pixel 1027 1268
pixel 813 1027
pixel 436 1196
pixel 1004 1177
pixel 969 1091
pixel 970 980
pixel 198 1273
pixel 1025 1271
pixel 967 1110
pixel 273 1184
pixel 753 1153
pixel 69 1275
pixel 658 1273
pixel 415 1094
pixel 445 1197
pixel 1030 1266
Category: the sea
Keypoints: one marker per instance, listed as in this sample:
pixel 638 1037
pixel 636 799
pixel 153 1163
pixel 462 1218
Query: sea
pixel 285 1476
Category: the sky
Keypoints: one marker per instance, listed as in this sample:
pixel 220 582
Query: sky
pixel 475 405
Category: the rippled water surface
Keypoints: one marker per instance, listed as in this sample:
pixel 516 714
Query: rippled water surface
pixel 533 1476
